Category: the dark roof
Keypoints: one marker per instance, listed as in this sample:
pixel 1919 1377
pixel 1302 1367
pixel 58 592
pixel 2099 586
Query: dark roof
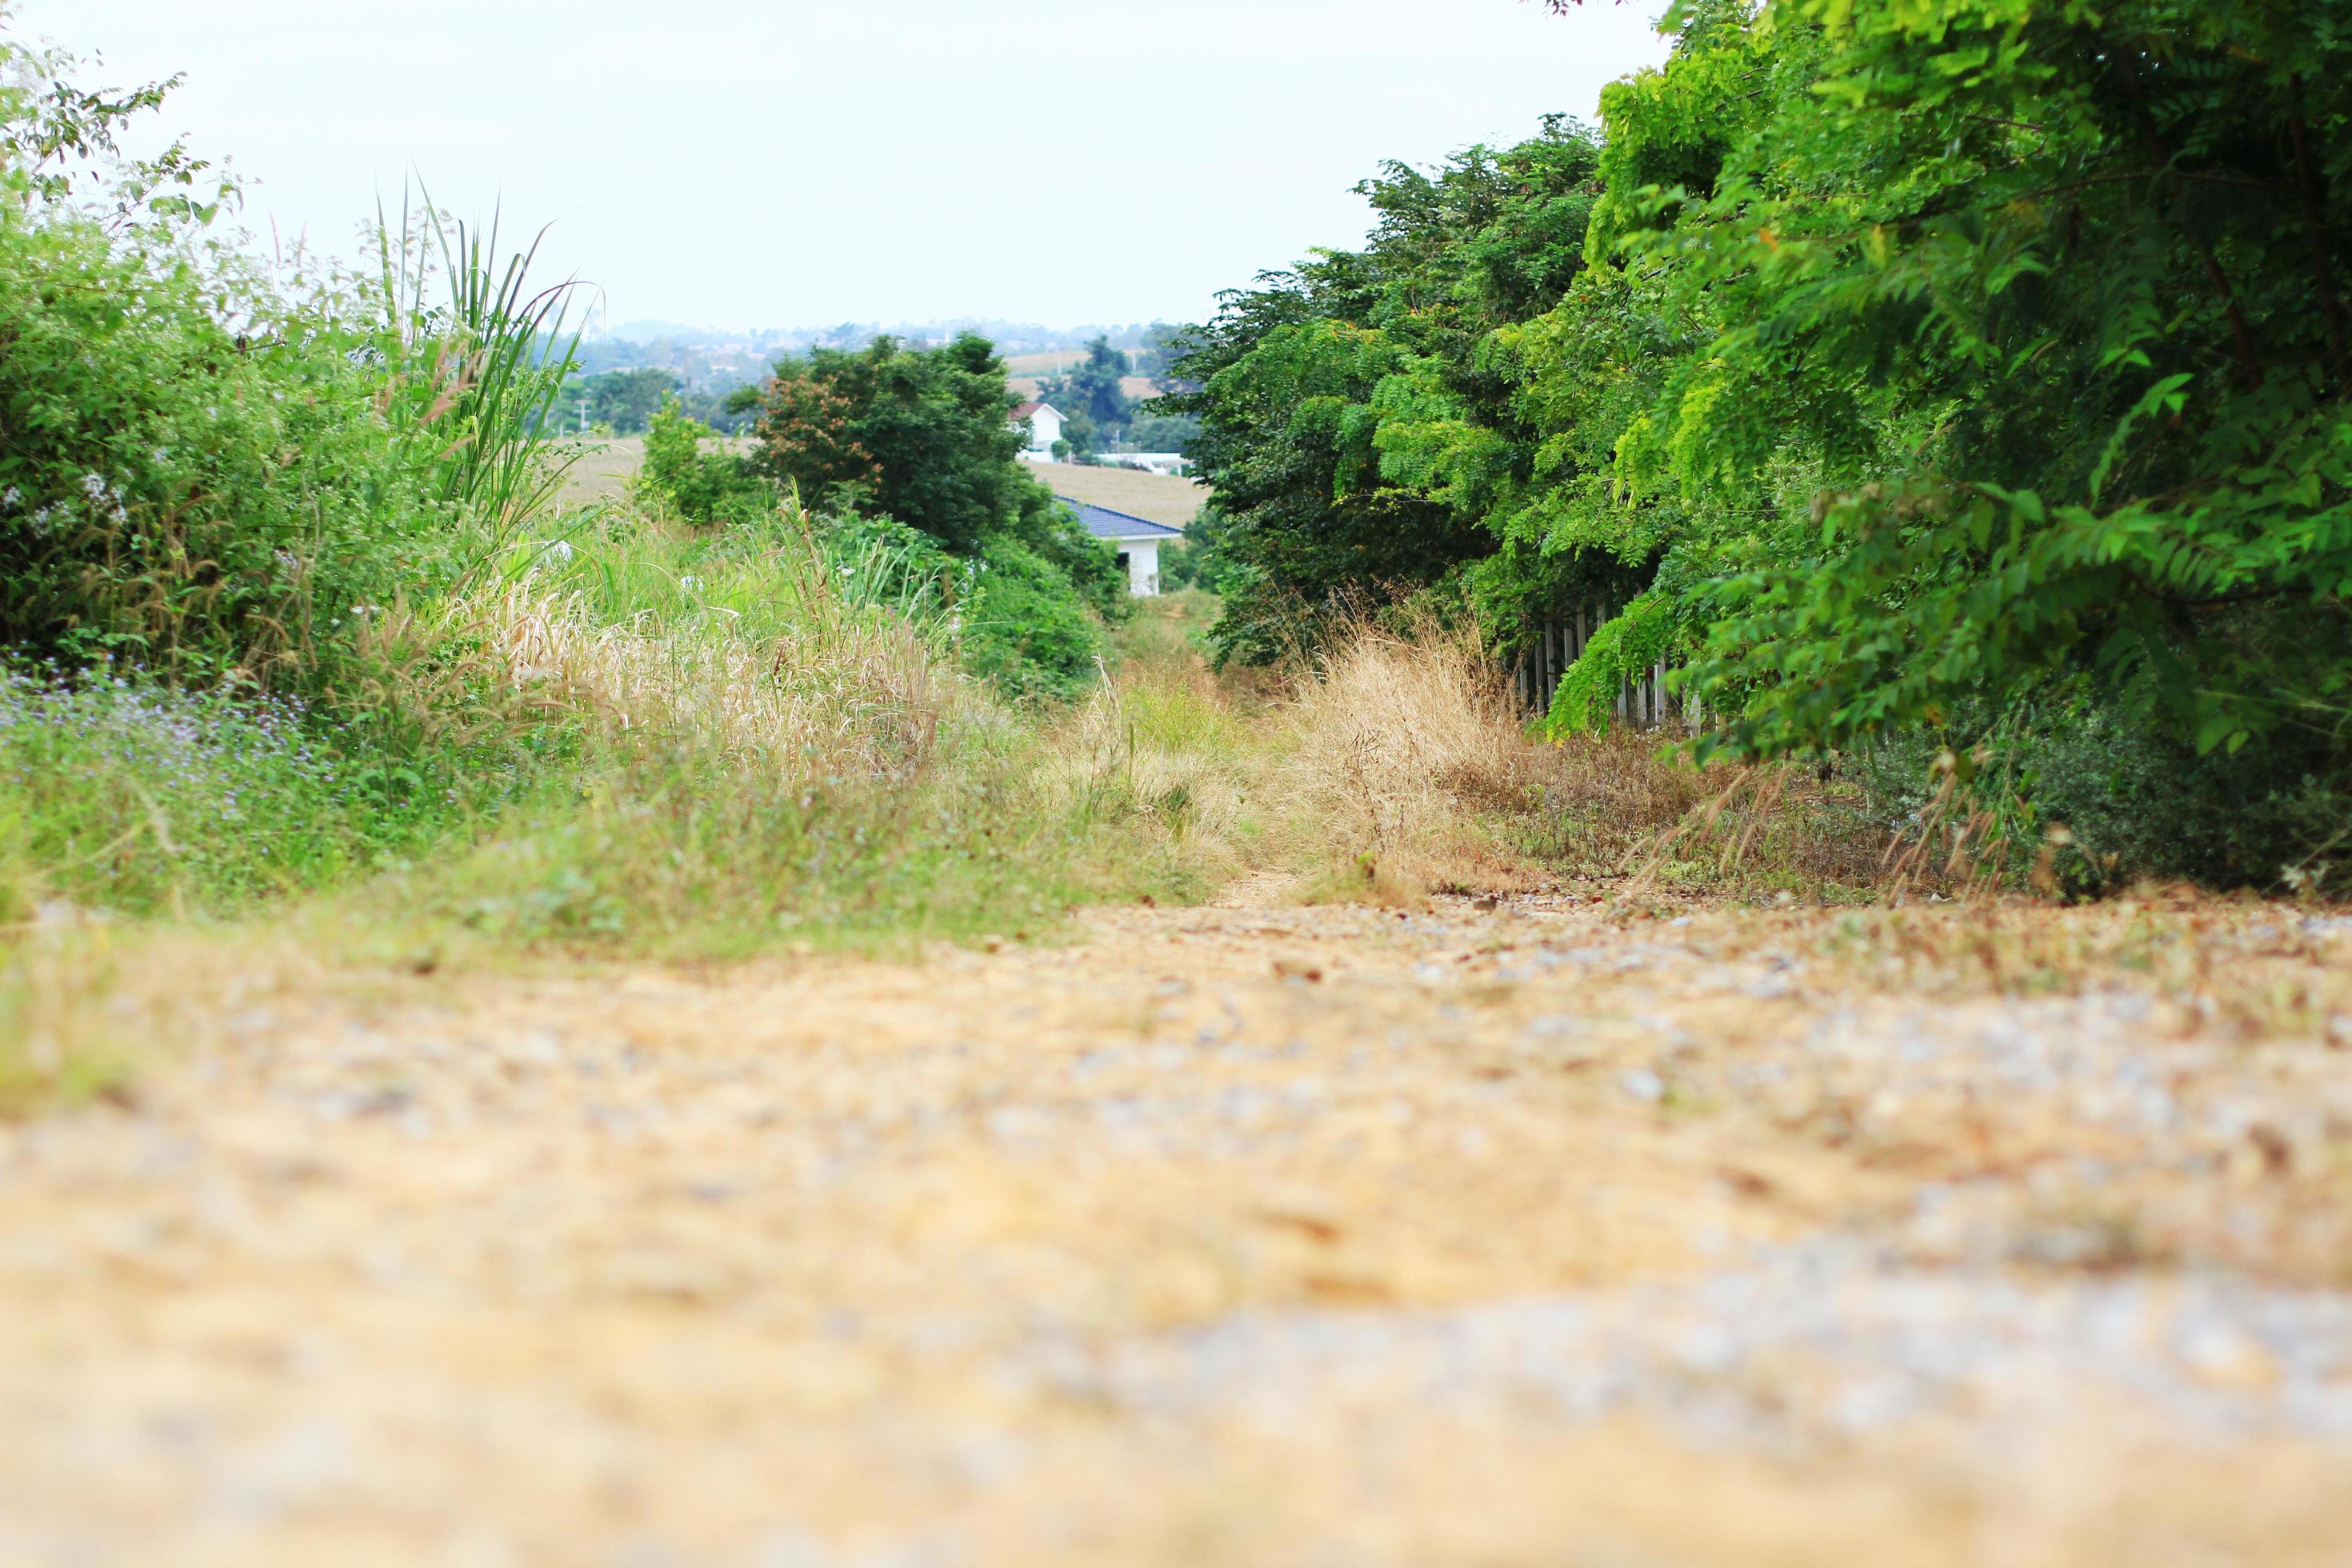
pixel 1026 409
pixel 1104 523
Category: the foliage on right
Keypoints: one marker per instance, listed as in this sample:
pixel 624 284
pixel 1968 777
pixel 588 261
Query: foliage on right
pixel 1961 378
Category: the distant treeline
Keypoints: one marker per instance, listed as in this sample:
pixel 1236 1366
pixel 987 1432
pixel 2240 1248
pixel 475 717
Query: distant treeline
pixel 625 402
pixel 618 385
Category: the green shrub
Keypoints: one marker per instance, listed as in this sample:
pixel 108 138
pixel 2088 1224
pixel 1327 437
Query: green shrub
pixel 119 792
pixel 1026 627
pixel 2126 801
pixel 192 475
pixel 704 487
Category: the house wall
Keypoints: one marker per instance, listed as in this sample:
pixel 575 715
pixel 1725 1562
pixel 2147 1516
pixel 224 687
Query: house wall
pixel 1142 565
pixel 1045 428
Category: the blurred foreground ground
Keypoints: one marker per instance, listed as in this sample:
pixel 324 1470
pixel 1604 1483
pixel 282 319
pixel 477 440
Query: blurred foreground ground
pixel 1247 1235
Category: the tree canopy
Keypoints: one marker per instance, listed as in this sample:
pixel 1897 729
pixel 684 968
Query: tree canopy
pixel 923 439
pixel 1909 369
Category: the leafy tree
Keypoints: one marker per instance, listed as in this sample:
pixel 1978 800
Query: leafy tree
pixel 2043 304
pixel 1149 430
pixel 1967 379
pixel 1091 396
pixel 1162 344
pixel 2004 405
pixel 1355 430
pixel 925 439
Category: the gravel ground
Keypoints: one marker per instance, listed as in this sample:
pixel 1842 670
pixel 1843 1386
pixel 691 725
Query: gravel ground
pixel 1529 1234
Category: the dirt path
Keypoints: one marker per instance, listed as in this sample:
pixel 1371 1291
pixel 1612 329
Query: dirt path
pixel 1243 1235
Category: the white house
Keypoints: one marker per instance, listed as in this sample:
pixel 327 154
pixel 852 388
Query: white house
pixel 1137 540
pixel 1044 429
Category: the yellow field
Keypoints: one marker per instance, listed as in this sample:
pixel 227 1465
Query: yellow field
pixel 1053 361
pixel 605 471
pixel 1137 387
pixel 1156 498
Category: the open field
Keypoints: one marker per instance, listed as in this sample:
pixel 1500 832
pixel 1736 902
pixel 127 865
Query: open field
pixel 1025 372
pixel 1556 1232
pixel 1056 362
pixel 1137 387
pixel 604 472
pixel 1156 498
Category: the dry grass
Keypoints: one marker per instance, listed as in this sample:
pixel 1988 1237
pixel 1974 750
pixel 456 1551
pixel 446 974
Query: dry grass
pixel 2236 968
pixel 1402 757
pixel 760 664
pixel 604 470
pixel 1165 753
pixel 836 695
pixel 2242 967
pixel 1407 770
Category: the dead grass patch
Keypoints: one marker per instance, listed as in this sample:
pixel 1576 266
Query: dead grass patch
pixel 1408 770
pixel 1400 753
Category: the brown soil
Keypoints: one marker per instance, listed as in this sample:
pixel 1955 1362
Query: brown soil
pixel 1248 1235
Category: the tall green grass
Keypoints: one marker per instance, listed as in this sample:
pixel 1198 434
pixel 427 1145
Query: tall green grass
pixel 476 352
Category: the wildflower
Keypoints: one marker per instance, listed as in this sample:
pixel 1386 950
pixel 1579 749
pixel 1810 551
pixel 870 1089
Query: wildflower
pixel 11 496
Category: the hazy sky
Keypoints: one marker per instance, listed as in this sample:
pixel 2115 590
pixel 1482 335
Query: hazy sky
pixel 786 162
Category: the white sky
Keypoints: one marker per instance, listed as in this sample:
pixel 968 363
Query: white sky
pixel 788 162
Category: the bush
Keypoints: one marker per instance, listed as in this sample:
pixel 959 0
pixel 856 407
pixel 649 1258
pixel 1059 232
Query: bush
pixel 698 486
pixel 1026 627
pixel 773 742
pixel 196 495
pixel 2127 802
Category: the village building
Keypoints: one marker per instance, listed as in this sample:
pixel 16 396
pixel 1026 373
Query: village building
pixel 1137 540
pixel 1044 429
